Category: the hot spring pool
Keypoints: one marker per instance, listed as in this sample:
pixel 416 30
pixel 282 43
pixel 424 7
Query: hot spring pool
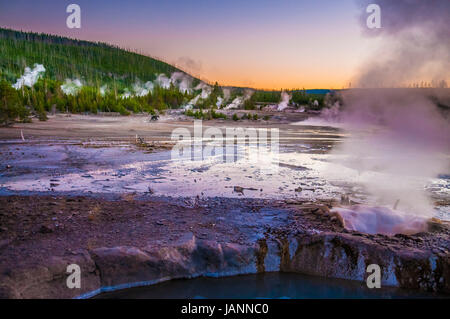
pixel 270 285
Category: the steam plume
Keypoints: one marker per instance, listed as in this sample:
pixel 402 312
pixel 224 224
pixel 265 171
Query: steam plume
pixel 285 98
pixel 71 87
pixel 408 141
pixel 206 90
pixel 239 100
pixel 103 90
pixel 415 43
pixel 163 81
pixel 226 94
pixel 142 90
pixel 219 101
pixel 399 139
pixel 30 77
pixel 182 81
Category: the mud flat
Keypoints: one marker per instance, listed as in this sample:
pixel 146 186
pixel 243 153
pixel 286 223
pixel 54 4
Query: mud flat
pixel 82 190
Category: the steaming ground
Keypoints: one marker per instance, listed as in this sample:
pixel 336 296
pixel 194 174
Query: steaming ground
pixel 111 163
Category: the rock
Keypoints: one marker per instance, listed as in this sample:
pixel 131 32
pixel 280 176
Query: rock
pixel 315 209
pixel 7 292
pixel 4 243
pixel 46 229
pixel 345 200
pixel 436 225
pixel 188 258
pixel 122 265
pixel 48 278
pixel 346 256
pixel 325 254
pixel 298 189
pixel 337 219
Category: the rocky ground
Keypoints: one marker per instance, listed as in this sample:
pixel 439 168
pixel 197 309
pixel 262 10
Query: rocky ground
pixel 134 240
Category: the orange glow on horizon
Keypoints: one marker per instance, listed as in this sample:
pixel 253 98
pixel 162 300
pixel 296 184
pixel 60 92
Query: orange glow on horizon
pixel 283 84
pixel 308 79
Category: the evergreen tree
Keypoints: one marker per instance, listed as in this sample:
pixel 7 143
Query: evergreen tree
pixel 11 107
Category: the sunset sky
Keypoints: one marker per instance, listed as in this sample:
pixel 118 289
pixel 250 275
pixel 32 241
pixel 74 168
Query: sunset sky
pixel 256 43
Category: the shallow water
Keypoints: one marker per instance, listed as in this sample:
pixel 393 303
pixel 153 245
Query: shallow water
pixel 302 169
pixel 270 285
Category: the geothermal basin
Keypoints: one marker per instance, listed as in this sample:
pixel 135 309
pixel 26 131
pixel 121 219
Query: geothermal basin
pixel 120 207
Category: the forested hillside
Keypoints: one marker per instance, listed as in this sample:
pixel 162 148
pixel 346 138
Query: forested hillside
pixel 95 63
pixel 42 73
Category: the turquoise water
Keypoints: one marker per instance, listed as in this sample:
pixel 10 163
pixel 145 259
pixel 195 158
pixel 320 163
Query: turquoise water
pixel 271 285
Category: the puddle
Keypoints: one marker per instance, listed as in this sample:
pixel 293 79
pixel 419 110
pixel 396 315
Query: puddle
pixel 261 286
